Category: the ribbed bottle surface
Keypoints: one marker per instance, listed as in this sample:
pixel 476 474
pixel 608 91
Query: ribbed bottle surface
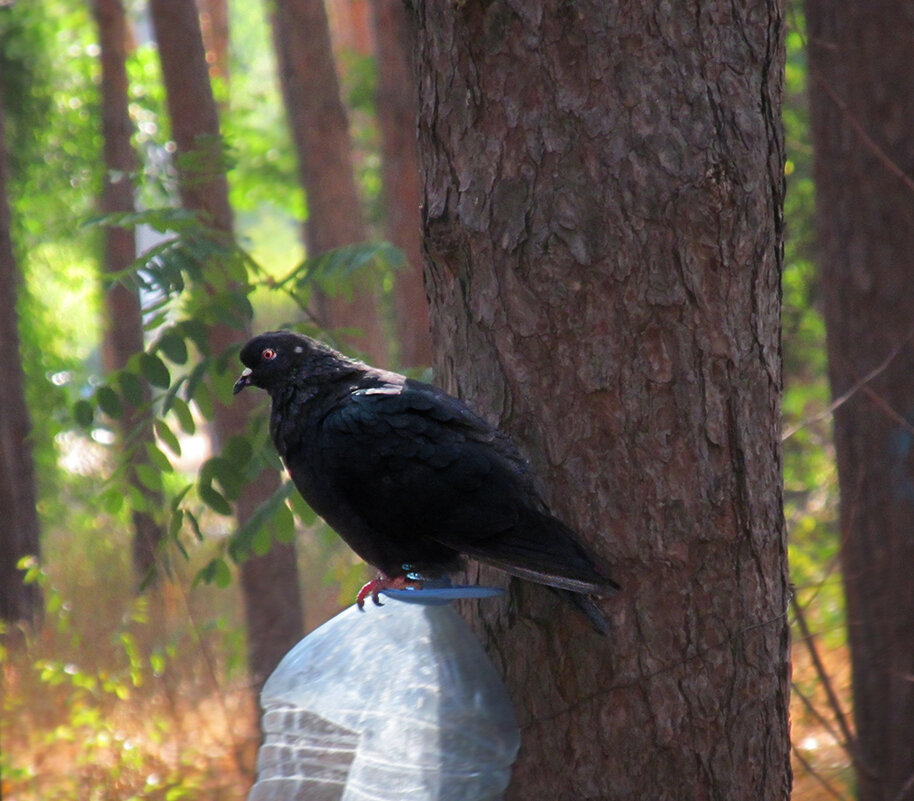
pixel 396 702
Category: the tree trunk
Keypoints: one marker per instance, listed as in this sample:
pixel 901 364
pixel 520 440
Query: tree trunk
pixel 19 526
pixel 400 170
pixel 602 219
pixel 124 317
pixel 349 22
pixel 320 132
pixel 270 583
pixel 214 25
pixel 862 98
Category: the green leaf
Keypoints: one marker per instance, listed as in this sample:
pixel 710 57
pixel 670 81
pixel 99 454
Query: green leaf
pixel 223 575
pixel 197 332
pixel 112 500
pixel 172 344
pixel 271 459
pixel 194 378
pixel 243 541
pixel 304 512
pixel 109 402
pixel 149 477
pixel 215 572
pixel 223 383
pixel 176 501
pixel 339 270
pixel 284 524
pixel 137 501
pixel 157 662
pixel 159 459
pixel 180 546
pixel 156 321
pixel 225 472
pixel 214 500
pixel 174 525
pixel 262 541
pixel 194 524
pixel 131 387
pixel 183 413
pixel 83 413
pixel 164 433
pixel 154 370
pixel 168 398
pixel 238 450
pixel 203 397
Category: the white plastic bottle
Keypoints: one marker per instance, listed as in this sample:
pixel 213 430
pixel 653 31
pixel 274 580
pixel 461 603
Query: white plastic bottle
pixel 396 703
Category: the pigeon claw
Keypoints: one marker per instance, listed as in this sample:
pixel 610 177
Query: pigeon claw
pixel 382 582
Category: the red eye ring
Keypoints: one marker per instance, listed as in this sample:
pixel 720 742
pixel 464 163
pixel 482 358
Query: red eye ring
pixel 269 354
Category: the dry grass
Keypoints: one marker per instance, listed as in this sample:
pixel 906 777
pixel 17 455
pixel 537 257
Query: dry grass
pixel 134 710
pixel 117 698
pixel 822 767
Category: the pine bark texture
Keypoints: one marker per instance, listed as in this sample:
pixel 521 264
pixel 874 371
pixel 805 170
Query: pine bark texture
pixel 19 524
pixel 603 188
pixel 123 315
pixel 862 101
pixel 320 132
pixel 270 583
pixel 396 101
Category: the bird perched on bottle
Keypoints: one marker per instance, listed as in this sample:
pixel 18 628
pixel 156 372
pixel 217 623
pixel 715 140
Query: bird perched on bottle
pixel 409 476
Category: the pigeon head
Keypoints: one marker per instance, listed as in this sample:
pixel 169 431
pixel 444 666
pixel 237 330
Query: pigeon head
pixel 274 358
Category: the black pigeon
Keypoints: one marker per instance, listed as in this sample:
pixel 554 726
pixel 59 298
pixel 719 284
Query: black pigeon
pixel 409 476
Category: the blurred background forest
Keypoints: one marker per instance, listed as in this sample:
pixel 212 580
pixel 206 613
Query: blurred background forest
pixel 148 694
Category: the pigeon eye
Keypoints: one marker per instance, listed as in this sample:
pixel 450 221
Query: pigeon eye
pixel 269 354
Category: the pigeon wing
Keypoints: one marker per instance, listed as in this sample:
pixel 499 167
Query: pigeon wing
pixel 420 467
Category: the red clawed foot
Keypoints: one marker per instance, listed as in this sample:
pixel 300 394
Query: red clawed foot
pixel 382 582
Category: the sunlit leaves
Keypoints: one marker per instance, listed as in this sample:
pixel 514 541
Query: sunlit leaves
pixel 191 281
pixel 810 479
pixel 271 519
pixel 338 271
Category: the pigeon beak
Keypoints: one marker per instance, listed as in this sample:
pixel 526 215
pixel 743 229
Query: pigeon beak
pixel 243 381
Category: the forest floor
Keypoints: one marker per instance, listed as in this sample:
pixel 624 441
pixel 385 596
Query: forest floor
pixel 102 715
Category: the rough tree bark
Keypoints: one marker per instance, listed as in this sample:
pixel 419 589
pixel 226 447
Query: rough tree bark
pixel 862 97
pixel 320 132
pixel 400 169
pixel 19 524
pixel 123 315
pixel 602 219
pixel 270 583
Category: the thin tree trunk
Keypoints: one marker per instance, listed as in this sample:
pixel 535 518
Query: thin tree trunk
pixel 19 524
pixel 270 583
pixel 320 132
pixel 123 315
pixel 862 98
pixel 400 170
pixel 350 26
pixel 602 219
pixel 214 25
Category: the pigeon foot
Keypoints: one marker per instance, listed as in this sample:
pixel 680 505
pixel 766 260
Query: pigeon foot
pixel 382 582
